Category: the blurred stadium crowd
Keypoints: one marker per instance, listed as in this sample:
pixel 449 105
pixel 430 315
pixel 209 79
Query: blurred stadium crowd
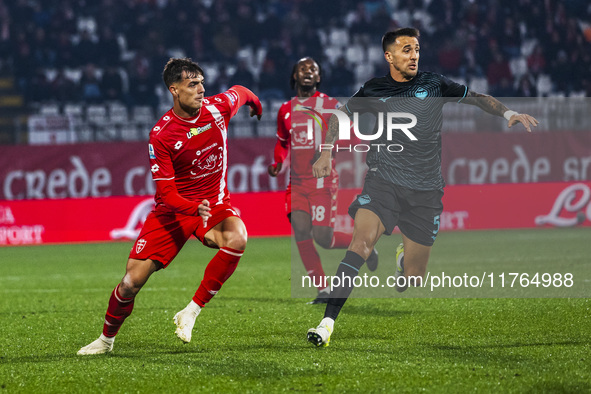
pixel 101 51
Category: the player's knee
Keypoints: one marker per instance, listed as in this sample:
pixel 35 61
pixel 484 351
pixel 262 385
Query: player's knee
pixel 300 231
pixel 129 287
pixel 301 234
pixel 237 240
pixel 323 240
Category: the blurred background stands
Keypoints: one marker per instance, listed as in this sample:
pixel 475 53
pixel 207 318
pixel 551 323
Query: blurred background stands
pixel 97 64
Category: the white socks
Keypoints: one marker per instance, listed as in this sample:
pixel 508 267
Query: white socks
pixel 107 339
pixel 193 307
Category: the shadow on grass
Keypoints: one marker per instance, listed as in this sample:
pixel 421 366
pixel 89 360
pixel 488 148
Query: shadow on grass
pixel 508 345
pixel 272 300
pixel 560 387
pixel 500 354
pixel 377 311
pixel 124 352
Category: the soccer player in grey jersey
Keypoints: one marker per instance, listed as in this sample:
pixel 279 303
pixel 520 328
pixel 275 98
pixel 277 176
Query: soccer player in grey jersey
pixel 402 188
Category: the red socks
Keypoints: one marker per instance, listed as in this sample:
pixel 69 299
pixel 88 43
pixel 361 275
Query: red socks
pixel 217 272
pixel 341 240
pixel 219 269
pixel 119 308
pixel 312 262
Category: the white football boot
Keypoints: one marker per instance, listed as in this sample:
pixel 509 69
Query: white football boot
pixel 320 336
pixel 101 346
pixel 185 320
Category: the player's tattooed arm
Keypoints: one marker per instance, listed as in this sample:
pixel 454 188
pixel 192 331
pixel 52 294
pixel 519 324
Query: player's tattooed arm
pixel 495 107
pixel 486 103
pixel 322 163
pixel 333 128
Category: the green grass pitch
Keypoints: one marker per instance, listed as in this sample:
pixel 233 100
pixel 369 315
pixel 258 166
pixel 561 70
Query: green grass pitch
pixel 251 337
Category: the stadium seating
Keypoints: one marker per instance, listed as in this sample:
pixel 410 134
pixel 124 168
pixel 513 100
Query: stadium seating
pixel 352 32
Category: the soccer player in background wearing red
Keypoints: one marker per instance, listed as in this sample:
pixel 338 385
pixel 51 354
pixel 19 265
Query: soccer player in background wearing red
pixel 311 203
pixel 188 160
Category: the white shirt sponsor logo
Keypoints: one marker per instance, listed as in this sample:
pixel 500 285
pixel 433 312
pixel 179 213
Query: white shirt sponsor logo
pixel 210 162
pixel 154 168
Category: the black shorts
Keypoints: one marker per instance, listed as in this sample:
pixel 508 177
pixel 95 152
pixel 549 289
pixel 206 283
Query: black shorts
pixel 416 212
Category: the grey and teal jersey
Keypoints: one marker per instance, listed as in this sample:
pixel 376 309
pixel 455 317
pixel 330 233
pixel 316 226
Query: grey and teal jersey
pixel 418 164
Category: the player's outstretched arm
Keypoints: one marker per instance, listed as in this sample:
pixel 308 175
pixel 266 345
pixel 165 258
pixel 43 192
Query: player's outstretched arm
pixel 279 154
pixel 274 169
pixel 495 107
pixel 246 96
pixel 323 166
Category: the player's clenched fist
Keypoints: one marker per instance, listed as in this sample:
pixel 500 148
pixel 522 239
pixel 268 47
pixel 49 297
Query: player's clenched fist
pixel 322 167
pixel 204 211
pixel 274 169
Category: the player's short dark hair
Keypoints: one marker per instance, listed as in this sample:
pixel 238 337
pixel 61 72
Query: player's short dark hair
pixel 292 80
pixel 173 71
pixel 391 36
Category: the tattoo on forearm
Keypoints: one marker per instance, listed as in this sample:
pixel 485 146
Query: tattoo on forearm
pixel 486 103
pixel 333 130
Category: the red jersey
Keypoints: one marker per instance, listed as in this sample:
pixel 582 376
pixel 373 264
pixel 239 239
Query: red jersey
pixel 292 126
pixel 193 152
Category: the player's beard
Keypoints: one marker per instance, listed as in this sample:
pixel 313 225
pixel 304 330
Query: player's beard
pixel 192 110
pixel 307 88
pixel 410 74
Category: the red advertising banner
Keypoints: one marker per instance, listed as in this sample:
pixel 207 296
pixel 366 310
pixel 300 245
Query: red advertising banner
pixel 121 169
pixel 520 157
pixel 117 169
pixel 503 206
pixel 467 207
pixel 112 218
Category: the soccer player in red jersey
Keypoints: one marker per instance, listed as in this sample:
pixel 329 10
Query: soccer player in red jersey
pixel 311 203
pixel 188 160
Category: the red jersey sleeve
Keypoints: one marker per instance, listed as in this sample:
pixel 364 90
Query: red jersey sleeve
pixel 173 200
pixel 163 174
pixel 283 133
pixel 238 95
pixel 160 160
